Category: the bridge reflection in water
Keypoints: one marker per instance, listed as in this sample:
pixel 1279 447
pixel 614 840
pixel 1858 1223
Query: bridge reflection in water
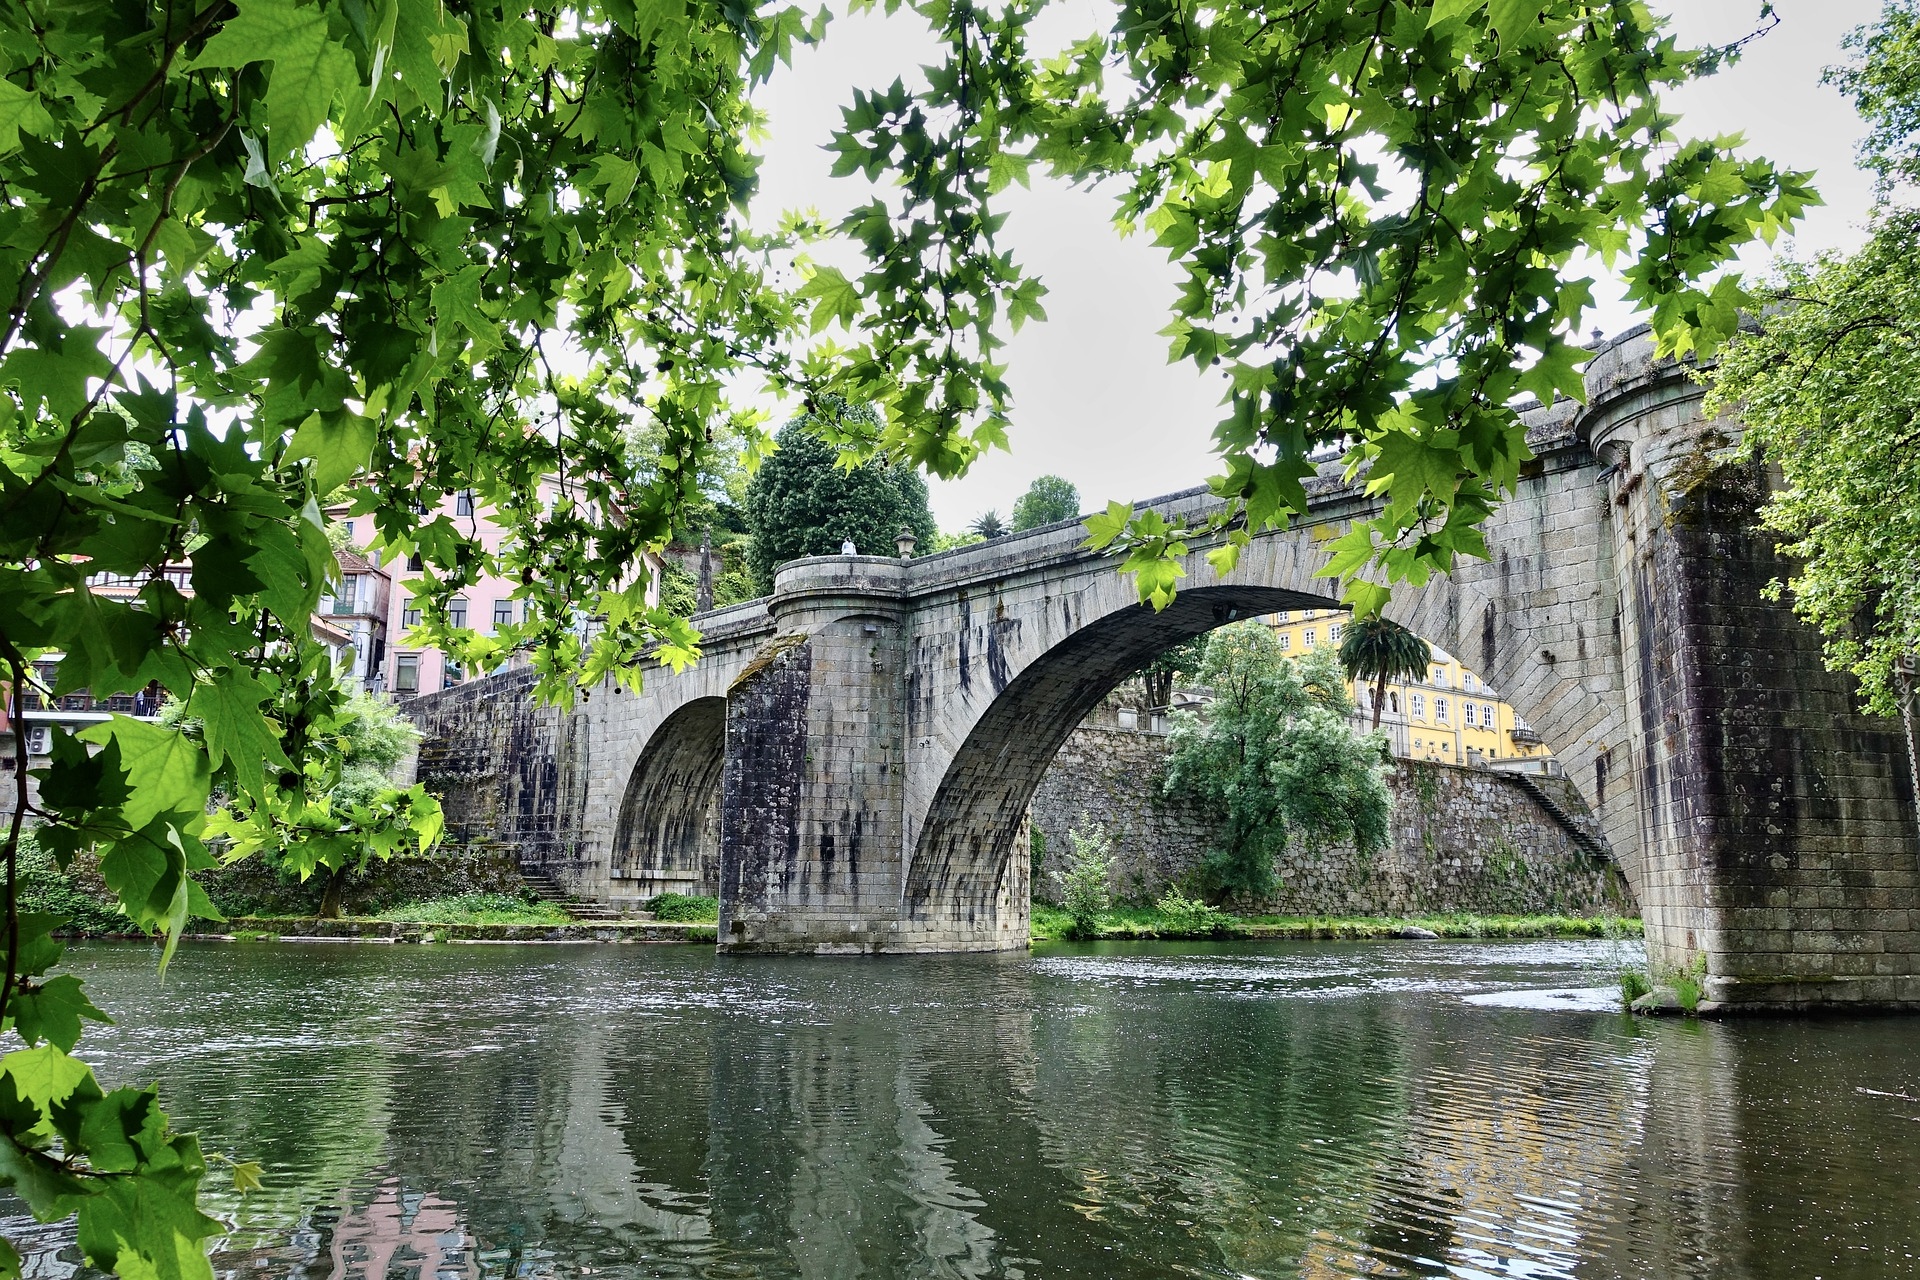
pixel 1146 1111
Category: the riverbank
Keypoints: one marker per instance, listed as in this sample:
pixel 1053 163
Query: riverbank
pixel 357 929
pixel 1049 925
pixel 1148 924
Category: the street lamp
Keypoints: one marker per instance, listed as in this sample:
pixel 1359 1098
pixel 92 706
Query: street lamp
pixel 905 540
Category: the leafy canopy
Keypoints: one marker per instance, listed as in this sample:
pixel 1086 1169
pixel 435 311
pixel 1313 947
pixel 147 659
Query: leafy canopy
pixel 804 502
pixel 1376 205
pixel 1276 755
pixel 1047 500
pixel 1828 388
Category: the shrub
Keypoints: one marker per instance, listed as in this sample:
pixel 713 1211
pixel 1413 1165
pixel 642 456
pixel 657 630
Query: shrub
pixel 1191 915
pixel 43 886
pixel 477 908
pixel 1084 893
pixel 681 907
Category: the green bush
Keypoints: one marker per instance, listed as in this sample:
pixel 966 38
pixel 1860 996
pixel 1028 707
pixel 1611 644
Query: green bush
pixel 1084 892
pixel 44 887
pixel 1191 915
pixel 683 907
pixel 477 908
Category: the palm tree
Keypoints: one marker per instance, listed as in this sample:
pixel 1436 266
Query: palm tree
pixel 989 525
pixel 1377 650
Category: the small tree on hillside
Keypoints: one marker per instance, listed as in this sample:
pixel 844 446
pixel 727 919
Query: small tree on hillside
pixel 1276 756
pixel 1047 500
pixel 1379 651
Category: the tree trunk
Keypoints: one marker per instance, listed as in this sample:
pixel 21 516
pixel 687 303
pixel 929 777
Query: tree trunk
pixel 330 899
pixel 1379 697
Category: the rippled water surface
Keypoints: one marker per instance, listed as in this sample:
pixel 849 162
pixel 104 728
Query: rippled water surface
pixel 1128 1111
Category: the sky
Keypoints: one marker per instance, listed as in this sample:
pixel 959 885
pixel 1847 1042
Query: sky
pixel 1095 399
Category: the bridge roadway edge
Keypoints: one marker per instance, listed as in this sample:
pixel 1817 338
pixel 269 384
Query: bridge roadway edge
pixel 1766 829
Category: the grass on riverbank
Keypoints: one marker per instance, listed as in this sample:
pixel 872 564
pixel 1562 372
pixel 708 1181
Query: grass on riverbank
pixel 476 908
pixel 1124 923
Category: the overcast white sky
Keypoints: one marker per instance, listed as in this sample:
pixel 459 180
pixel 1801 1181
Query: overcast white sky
pixel 1095 399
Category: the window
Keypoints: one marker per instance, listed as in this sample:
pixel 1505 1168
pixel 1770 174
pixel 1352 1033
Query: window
pixel 463 503
pixel 1486 715
pixel 1418 702
pixel 1309 638
pixel 1467 714
pixel 1416 744
pixel 457 612
pixel 414 563
pixel 348 600
pixel 410 616
pixel 1333 633
pixel 1285 614
pixel 1393 701
pixel 454 674
pixel 503 613
pixel 1286 642
pixel 406 673
pixel 1440 677
pixel 1440 709
pixel 349 525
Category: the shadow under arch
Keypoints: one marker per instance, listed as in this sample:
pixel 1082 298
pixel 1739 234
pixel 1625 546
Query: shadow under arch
pixel 668 836
pixel 974 822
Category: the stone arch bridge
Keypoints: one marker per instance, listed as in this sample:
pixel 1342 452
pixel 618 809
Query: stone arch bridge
pixel 853 757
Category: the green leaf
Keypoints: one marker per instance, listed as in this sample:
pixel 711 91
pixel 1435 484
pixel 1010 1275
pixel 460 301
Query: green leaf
pixel 309 68
pixel 835 298
pixel 44 1075
pixel 20 109
pixel 339 445
pixel 1445 9
pixel 1104 526
pixel 228 708
pixel 166 771
pixel 52 1012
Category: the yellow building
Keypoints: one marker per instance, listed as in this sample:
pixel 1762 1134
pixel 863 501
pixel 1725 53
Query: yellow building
pixel 1451 716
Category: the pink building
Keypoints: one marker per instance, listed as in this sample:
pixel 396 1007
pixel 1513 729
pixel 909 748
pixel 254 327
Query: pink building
pixel 383 607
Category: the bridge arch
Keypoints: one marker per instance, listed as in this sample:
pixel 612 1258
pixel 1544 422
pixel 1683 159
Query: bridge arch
pixel 667 837
pixel 975 821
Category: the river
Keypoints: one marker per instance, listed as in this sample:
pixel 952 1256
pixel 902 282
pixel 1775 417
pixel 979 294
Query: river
pixel 1120 1110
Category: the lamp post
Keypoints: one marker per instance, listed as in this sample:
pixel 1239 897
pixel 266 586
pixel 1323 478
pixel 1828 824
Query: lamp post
pixel 905 540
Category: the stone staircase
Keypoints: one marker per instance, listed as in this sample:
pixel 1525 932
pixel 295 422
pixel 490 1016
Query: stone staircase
pixel 543 883
pixel 1588 843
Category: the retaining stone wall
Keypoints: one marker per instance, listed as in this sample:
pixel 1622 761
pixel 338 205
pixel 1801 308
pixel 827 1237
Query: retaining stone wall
pixel 1463 839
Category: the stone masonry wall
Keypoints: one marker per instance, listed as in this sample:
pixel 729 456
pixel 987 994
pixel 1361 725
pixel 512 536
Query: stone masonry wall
pixel 1463 839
